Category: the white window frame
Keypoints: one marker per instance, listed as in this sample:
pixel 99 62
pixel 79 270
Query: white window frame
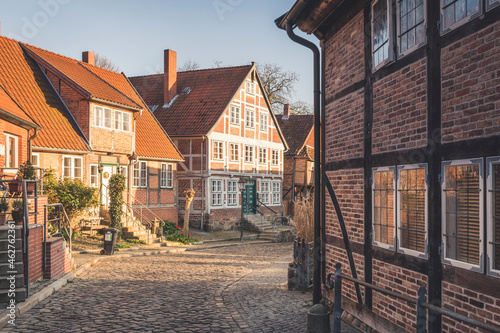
pixel 234 115
pixel 263 122
pixel 217 192
pixel 37 155
pixel 265 191
pixel 391 246
pixel 444 257
pixel 467 18
pixel 390 38
pixel 249 118
pixel 118 123
pixel 218 150
pixel 250 87
pixel 490 161
pixel 235 152
pixel 166 175
pixel 72 167
pixel 262 155
pixel 95 176
pixel 275 160
pixel 249 154
pixel 398 210
pixel 8 163
pixel 232 192
pixel 398 28
pixel 98 116
pixel 140 174
pixel 276 192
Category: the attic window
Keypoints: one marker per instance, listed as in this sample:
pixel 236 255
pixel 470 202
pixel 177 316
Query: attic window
pixel 250 88
pixel 186 91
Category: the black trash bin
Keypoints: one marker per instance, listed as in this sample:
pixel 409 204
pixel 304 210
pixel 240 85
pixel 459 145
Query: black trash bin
pixel 109 240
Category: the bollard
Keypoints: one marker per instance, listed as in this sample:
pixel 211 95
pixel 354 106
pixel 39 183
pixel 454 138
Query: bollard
pixel 318 319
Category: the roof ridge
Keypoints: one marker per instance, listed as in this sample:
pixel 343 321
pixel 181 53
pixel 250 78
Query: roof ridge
pixel 194 70
pixel 57 54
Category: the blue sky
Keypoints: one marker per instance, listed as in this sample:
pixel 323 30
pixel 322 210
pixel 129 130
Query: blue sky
pixel 133 33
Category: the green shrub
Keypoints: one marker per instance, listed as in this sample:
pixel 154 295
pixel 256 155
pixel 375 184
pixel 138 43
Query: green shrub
pixel 116 188
pixel 135 241
pixel 173 233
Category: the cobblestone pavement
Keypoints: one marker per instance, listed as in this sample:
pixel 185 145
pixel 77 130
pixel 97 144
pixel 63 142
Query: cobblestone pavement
pixel 231 289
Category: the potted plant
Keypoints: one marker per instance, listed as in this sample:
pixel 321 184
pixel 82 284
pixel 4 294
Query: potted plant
pixel 17 211
pixel 4 205
pixel 26 171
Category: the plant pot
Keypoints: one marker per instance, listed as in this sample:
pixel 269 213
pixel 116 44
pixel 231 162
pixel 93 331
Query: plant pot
pixel 30 188
pixel 17 216
pixel 3 218
pixel 15 187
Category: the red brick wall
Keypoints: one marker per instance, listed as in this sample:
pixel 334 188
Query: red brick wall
pixel 470 86
pixel 35 246
pixel 346 113
pixel 56 258
pixel 399 109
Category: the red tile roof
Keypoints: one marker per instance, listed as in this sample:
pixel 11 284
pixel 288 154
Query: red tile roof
pixel 83 76
pixel 21 78
pixel 14 111
pixel 196 112
pixel 296 129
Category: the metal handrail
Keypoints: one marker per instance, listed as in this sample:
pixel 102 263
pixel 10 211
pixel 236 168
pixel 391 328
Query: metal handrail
pixel 263 204
pixel 421 303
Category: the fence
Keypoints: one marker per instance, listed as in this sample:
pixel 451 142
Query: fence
pixel 302 262
pixel 420 302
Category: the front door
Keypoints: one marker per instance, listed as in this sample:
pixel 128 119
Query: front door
pixel 106 172
pixel 249 196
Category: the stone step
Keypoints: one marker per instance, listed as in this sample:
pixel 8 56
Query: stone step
pixel 6 255
pixel 5 268
pixel 4 244
pixel 5 232
pixel 19 296
pixel 5 281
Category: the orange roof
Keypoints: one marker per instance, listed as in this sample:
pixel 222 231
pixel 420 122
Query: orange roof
pixel 26 85
pixel 77 72
pixel 13 111
pixel 195 111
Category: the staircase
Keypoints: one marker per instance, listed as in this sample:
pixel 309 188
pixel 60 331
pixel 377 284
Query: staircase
pixel 263 225
pixel 134 229
pixel 6 267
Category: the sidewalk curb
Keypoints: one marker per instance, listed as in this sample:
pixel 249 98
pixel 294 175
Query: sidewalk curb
pixel 41 295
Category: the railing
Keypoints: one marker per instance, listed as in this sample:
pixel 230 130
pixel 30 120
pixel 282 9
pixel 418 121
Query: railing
pixel 62 222
pixel 11 176
pixel 420 302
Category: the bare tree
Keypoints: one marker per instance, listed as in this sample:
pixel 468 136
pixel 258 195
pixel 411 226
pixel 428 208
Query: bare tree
pixel 104 62
pixel 217 63
pixel 279 87
pixel 189 65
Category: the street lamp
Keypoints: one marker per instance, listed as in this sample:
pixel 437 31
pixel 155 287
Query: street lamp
pixel 241 186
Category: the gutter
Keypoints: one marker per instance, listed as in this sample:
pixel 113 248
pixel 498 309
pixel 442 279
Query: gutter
pixel 287 22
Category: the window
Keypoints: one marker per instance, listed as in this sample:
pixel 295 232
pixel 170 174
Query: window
pixel 72 167
pixel 11 151
pixel 262 155
pixel 107 117
pixel 250 88
pixel 263 122
pixel 457 12
pixel 412 209
pixel 248 154
pixel 249 118
pixel 94 175
pixel 140 174
pixel 166 175
pixel 381 33
pixel 383 207
pixel 126 122
pixel 276 193
pixel 264 192
pixel 411 25
pixel 35 159
pixel 275 157
pixel 493 209
pixel 234 115
pixel 118 120
pixel 216 192
pixel 235 151
pixel 98 116
pixel 218 150
pixel 462 217
pixel 232 192
pixel 492 3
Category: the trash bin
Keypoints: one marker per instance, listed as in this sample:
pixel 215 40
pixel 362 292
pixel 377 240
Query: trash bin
pixel 109 241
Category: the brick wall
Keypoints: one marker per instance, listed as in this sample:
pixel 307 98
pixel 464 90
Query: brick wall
pixel 399 109
pixel 35 246
pixel 56 261
pixel 470 86
pixel 22 137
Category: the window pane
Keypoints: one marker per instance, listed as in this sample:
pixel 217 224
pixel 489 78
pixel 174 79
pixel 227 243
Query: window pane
pixel 67 167
pixel 412 211
pixel 107 118
pixel 449 16
pixel 460 10
pixel 77 168
pixel 93 175
pixel 472 7
pixel 126 122
pixel 384 206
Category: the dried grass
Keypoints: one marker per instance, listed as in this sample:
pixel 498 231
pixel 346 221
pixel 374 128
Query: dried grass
pixel 303 220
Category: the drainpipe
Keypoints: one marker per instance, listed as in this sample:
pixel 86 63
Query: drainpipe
pixel 30 143
pixel 293 181
pixel 202 184
pixel 288 22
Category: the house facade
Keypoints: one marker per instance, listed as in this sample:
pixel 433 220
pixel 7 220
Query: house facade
pixel 93 124
pixel 412 135
pixel 221 122
pixel 298 174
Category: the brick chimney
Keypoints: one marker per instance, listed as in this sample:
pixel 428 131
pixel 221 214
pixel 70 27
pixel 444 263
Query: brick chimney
pixel 286 111
pixel 170 76
pixel 88 57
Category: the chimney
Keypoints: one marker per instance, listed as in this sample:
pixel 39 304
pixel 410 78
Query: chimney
pixel 170 76
pixel 88 57
pixel 286 111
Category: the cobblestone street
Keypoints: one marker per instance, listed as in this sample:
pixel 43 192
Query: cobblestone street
pixel 229 289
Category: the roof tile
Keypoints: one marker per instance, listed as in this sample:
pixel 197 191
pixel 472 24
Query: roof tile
pixel 296 130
